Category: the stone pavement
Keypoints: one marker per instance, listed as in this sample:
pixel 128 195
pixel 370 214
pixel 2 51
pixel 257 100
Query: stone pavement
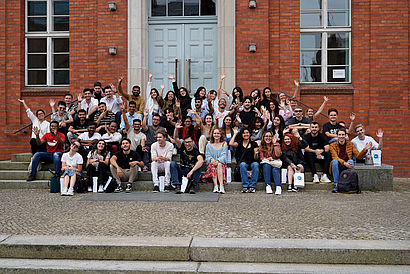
pixel 308 215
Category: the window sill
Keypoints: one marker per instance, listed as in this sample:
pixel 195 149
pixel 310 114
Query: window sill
pixel 44 91
pixel 326 89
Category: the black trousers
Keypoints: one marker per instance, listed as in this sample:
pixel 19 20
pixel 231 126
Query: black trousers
pixel 36 148
pixel 311 158
pixel 101 173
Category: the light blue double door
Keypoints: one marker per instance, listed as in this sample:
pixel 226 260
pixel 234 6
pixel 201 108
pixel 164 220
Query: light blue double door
pixel 186 50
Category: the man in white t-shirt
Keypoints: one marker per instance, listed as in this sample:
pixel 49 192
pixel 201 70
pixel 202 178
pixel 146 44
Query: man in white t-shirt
pixel 161 155
pixel 220 113
pixel 362 139
pixel 89 104
pixel 88 139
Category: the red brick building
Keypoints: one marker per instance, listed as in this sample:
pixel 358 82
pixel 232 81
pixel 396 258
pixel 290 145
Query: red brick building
pixel 355 52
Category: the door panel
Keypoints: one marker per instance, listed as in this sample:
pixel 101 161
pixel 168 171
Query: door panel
pixel 194 45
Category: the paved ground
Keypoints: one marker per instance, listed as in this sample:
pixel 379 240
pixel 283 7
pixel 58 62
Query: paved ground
pixel 311 214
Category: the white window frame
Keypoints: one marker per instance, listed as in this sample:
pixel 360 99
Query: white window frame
pixel 324 30
pixel 183 11
pixel 49 34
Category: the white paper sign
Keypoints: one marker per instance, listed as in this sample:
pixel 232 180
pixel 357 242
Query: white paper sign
pixel 184 184
pixel 377 157
pixel 284 176
pixel 339 73
pixel 228 175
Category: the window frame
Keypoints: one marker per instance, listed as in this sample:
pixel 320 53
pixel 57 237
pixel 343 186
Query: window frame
pixel 324 30
pixel 49 35
pixel 176 17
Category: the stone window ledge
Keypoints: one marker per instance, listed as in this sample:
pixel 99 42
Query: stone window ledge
pixel 326 89
pixel 44 91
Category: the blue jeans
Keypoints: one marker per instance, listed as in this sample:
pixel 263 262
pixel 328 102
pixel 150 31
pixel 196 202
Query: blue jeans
pixel 47 157
pixel 177 172
pixel 243 167
pixel 337 168
pixel 269 171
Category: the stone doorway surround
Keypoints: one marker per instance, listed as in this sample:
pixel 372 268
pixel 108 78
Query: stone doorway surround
pixel 138 42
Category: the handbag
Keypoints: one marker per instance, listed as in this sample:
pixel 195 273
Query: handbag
pixel 237 171
pixel 274 163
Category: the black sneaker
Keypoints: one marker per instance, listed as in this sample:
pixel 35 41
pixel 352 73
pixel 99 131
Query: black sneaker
pixel 31 178
pixel 118 189
pixel 156 189
pixel 334 190
pixel 289 187
pixel 245 190
pixel 178 189
pixel 192 190
pixel 252 190
pixel 129 188
pixel 167 188
pixel 295 189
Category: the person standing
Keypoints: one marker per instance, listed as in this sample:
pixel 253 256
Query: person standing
pixel 161 155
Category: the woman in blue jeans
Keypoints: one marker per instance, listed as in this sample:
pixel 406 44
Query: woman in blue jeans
pixel 269 154
pixel 246 157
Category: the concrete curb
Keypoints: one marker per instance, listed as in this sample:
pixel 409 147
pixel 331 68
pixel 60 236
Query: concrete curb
pixel 246 250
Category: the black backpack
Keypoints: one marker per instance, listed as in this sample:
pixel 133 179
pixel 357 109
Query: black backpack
pixel 348 182
pixel 82 184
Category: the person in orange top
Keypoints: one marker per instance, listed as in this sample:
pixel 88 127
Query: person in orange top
pixel 342 155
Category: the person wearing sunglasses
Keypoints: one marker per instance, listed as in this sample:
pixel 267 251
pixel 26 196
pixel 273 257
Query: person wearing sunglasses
pixel 299 122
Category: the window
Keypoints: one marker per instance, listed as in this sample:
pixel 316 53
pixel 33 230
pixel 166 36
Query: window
pixel 47 43
pixel 183 7
pixel 325 39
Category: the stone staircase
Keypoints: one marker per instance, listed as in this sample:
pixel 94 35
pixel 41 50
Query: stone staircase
pixel 14 172
pixel 78 254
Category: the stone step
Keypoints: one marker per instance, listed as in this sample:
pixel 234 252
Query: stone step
pixel 23 184
pixel 77 266
pixel 22 175
pixel 9 165
pixel 239 250
pixel 21 157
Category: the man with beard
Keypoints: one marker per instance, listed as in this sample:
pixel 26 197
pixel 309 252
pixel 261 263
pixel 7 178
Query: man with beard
pixel 103 117
pixel 88 139
pixel 112 101
pixel 124 165
pixel 131 115
pixel 151 133
pixel 89 104
pixel 317 150
pixel 79 126
pixel 298 121
pixel 112 137
pixel 134 97
pixel 220 113
pixel 247 116
pixel 98 92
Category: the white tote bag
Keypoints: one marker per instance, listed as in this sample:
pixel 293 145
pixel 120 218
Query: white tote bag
pixel 228 175
pixel 377 157
pixel 283 176
pixel 299 180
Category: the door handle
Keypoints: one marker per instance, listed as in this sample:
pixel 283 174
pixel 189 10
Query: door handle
pixel 189 74
pixel 176 69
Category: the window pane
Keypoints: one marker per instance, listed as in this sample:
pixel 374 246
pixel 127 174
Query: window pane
pixel 311 57
pixel 37 77
pixel 37 8
pixel 61 77
pixel 37 24
pixel 61 61
pixel 61 8
pixel 208 7
pixel 61 45
pixel 37 61
pixel 338 74
pixel 311 19
pixel 61 23
pixel 338 18
pixel 338 4
pixel 310 4
pixel 37 45
pixel 338 40
pixel 191 7
pixel 338 57
pixel 310 74
pixel 158 7
pixel 310 40
pixel 174 7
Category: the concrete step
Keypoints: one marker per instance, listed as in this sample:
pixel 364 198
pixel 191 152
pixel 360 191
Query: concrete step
pixel 80 266
pixel 21 157
pixel 23 184
pixel 239 250
pixel 22 175
pixel 9 165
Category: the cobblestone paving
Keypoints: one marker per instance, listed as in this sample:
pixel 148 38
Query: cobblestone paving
pixel 310 214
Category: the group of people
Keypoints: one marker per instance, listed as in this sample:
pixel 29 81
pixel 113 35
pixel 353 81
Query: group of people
pixel 106 130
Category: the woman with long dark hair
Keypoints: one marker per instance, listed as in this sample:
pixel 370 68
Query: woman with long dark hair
pixel 269 154
pixel 97 164
pixel 182 95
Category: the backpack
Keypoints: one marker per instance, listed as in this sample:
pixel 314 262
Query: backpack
pixel 348 182
pixel 54 184
pixel 82 184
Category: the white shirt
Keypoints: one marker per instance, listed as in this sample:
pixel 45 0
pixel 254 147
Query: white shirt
pixel 84 136
pixel 43 127
pixel 74 161
pixel 165 151
pixel 360 144
pixel 135 138
pixel 114 105
pixel 87 107
pixel 112 138
pixel 220 120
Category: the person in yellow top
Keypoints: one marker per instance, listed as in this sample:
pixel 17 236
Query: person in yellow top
pixel 135 97
pixel 342 155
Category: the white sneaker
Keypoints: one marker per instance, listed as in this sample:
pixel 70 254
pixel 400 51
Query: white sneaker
pixel 215 189
pixel 324 178
pixel 90 189
pixel 101 189
pixel 222 189
pixel 316 178
pixel 64 192
pixel 269 189
pixel 70 192
pixel 278 190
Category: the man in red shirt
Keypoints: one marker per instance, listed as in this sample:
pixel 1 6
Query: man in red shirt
pixel 54 141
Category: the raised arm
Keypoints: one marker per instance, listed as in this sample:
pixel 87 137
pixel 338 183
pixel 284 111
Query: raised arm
pixel 52 105
pixel 176 131
pixel 352 117
pixel 379 134
pixel 149 84
pixel 144 121
pixel 220 90
pixel 325 99
pixel 296 89
pixel 232 142
pixel 124 116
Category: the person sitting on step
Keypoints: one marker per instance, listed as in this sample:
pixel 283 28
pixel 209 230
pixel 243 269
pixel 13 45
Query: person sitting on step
pixel 72 164
pixel 161 155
